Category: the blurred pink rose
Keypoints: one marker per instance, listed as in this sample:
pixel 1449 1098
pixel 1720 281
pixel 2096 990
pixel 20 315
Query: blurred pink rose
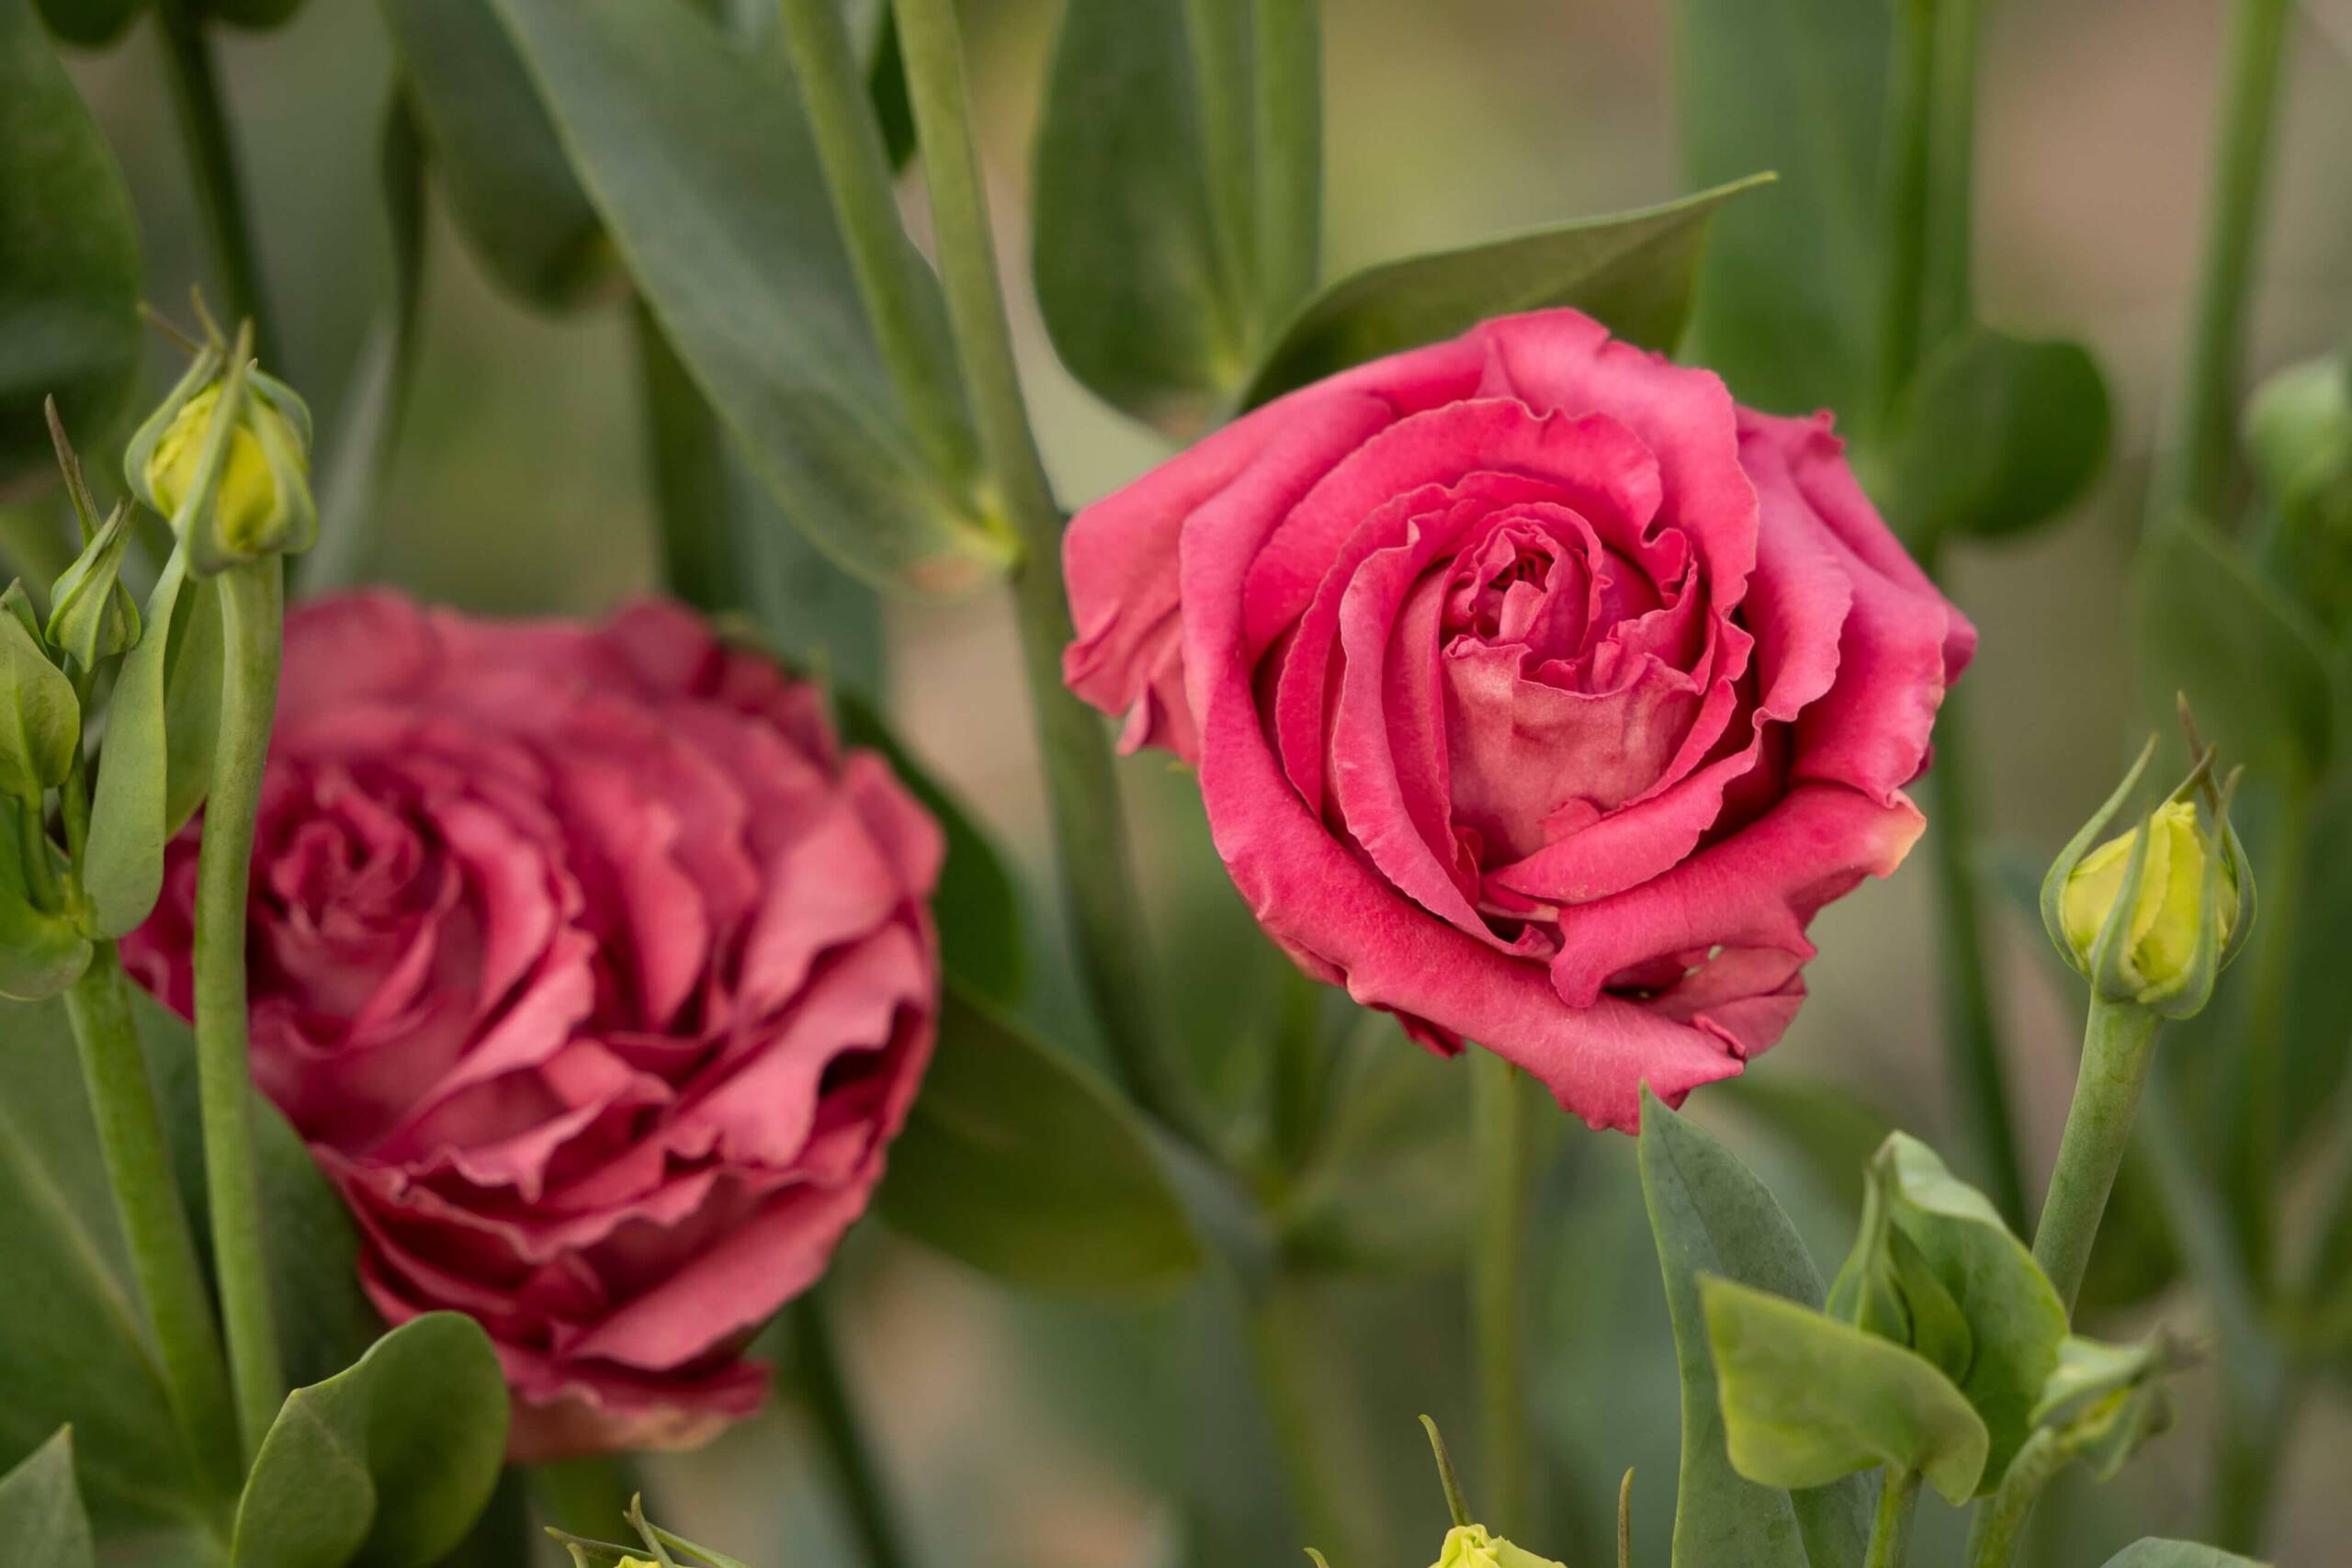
pixel 598 977
pixel 1539 693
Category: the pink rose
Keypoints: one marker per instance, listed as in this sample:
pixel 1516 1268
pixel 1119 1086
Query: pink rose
pixel 1539 693
pixel 596 975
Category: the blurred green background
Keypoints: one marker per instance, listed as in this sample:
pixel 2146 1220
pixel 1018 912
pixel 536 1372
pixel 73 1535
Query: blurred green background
pixel 1046 1433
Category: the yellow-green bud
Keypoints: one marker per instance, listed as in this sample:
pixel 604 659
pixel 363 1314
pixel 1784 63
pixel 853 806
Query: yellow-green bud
pixel 1469 1546
pixel 2160 943
pixel 263 492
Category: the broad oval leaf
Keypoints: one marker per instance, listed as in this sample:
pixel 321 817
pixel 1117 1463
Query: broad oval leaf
pixel 42 1517
pixel 2249 659
pixel 386 1464
pixel 1020 1163
pixel 1630 271
pixel 90 23
pixel 2152 1553
pixel 697 156
pixel 69 261
pixel 495 155
pixel 1807 1399
pixel 1997 435
pixel 1709 1215
pixel 1787 304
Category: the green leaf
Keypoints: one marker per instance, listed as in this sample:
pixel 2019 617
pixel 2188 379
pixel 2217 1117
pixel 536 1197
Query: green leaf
pixel 978 906
pixel 386 1464
pixel 90 23
pixel 1709 1215
pixel 1959 1252
pixel 1787 305
pixel 1022 1165
pixel 2108 1400
pixel 495 156
pixel 2249 660
pixel 73 1344
pixel 40 1511
pixel 41 953
pixel 1142 220
pixel 1630 271
pixel 697 158
pixel 122 865
pixel 41 719
pixel 69 269
pixel 2032 418
pixel 1807 1399
pixel 2153 1553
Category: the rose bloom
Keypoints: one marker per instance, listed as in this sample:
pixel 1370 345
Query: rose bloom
pixel 597 976
pixel 1539 693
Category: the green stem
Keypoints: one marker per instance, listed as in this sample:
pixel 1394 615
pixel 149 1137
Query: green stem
pixel 1081 788
pixel 1288 118
pixel 1301 1069
pixel 1971 1028
pixel 1898 1505
pixel 2193 470
pixel 2255 1134
pixel 252 618
pixel 1283 1328
pixel 890 275
pixel 1950 292
pixel 838 1429
pixel 2118 1041
pixel 2246 1475
pixel 212 160
pixel 2000 1526
pixel 1903 227
pixel 1499 1329
pixel 683 447
pixel 154 1226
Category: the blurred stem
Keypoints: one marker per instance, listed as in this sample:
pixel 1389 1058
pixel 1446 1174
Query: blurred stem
pixel 155 1227
pixel 213 162
pixel 2254 1131
pixel 1499 1329
pixel 252 614
pixel 1949 291
pixel 683 446
pixel 1898 1505
pixel 2000 1524
pixel 2118 1041
pixel 1971 1030
pixel 1288 114
pixel 1282 1329
pixel 889 274
pixel 1903 227
pixel 842 1436
pixel 2193 468
pixel 588 1496
pixel 1082 790
pixel 1301 1068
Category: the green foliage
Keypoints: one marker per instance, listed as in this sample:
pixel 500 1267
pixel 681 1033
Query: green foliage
pixel 1710 1216
pixel 42 950
pixel 1995 434
pixel 495 155
pixel 2105 1401
pixel 1025 1165
pixel 41 718
pixel 1153 176
pixel 1632 271
pixel 90 23
pixel 1797 86
pixel 2153 1553
pixel 69 266
pixel 42 1517
pixel 122 868
pixel 1808 1399
pixel 386 1464
pixel 701 166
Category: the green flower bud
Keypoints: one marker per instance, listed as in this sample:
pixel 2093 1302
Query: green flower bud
pixel 2153 914
pixel 227 459
pixel 2105 1401
pixel 2299 444
pixel 1469 1546
pixel 91 614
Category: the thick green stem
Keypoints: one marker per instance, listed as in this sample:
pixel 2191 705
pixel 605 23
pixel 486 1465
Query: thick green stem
pixel 844 1437
pixel 1497 1317
pixel 889 274
pixel 2118 1041
pixel 1288 116
pixel 2250 1183
pixel 252 615
pixel 1082 794
pixel 1970 1027
pixel 212 160
pixel 1282 1331
pixel 2000 1526
pixel 154 1226
pixel 1898 1505
pixel 1300 1069
pixel 1904 224
pixel 1948 300
pixel 2193 471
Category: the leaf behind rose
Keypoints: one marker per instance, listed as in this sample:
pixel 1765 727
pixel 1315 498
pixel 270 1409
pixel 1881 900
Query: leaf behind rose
pixel 1634 272
pixel 42 1517
pixel 2150 1552
pixel 1019 1162
pixel 1710 1215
